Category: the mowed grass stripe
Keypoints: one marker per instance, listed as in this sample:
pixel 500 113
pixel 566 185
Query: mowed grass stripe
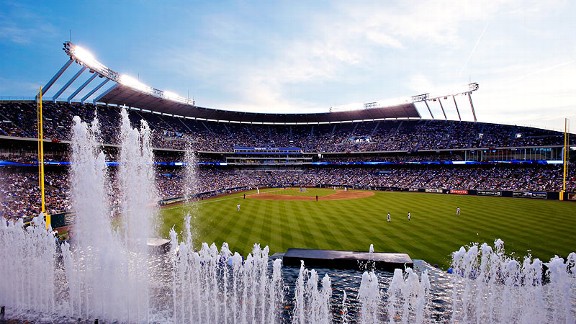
pixel 261 226
pixel 329 238
pixel 543 227
pixel 286 238
pixel 300 226
pixel 253 220
pixel 346 223
pixel 308 228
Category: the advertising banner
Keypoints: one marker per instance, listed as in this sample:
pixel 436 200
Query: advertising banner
pixel 530 194
pixel 458 192
pixel 488 193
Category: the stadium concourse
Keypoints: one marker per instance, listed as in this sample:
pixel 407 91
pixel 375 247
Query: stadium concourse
pixel 385 154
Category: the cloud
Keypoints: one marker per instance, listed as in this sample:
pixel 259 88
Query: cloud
pixel 11 86
pixel 355 36
pixel 20 24
pixel 16 35
pixel 338 39
pixel 384 39
pixel 344 52
pixel 545 93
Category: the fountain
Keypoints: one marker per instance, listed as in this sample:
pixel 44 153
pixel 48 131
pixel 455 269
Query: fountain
pixel 491 287
pixel 108 273
pixel 106 268
pixel 190 188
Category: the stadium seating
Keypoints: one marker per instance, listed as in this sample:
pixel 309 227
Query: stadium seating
pixel 19 120
pixel 338 147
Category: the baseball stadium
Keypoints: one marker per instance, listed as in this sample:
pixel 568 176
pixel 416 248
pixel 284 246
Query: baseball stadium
pixel 129 204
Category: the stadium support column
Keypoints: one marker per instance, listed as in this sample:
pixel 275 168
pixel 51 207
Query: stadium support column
pixel 41 158
pixel 429 110
pixel 57 75
pixel 69 100
pixel 104 93
pixel 424 98
pixel 471 88
pixel 442 106
pixel 94 90
pixel 456 105
pixel 472 105
pixel 68 83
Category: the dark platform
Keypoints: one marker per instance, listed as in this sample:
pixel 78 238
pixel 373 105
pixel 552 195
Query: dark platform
pixel 346 259
pixel 158 245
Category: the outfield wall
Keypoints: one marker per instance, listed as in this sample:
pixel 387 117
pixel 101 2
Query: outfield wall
pixel 67 218
pixel 486 193
pixel 510 194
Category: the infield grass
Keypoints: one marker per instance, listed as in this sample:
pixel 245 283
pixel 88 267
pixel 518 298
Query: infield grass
pixel 542 228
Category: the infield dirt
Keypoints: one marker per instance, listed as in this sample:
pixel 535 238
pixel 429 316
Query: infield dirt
pixel 339 195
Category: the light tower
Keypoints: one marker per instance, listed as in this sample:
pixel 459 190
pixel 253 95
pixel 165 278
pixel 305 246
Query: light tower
pixel 425 97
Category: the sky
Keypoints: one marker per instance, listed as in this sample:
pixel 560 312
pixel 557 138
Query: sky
pixel 311 56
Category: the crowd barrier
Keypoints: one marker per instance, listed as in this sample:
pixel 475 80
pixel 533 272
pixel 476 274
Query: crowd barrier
pixel 551 195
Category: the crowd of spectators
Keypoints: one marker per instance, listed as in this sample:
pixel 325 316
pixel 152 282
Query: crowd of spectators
pixel 18 119
pixel 19 194
pixel 513 178
pixel 395 141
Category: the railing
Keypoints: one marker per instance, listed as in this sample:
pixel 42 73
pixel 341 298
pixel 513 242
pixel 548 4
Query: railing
pixel 16 98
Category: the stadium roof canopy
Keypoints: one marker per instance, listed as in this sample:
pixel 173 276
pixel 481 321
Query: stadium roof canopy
pixel 122 95
pixel 127 91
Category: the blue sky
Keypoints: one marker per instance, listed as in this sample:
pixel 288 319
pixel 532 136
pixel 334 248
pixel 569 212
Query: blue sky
pixel 308 56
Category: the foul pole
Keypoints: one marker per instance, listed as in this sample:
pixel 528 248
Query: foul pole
pixel 565 158
pixel 41 158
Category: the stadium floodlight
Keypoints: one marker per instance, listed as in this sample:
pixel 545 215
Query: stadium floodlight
pixel 473 86
pixel 425 97
pixel 135 84
pixel 175 97
pixel 420 97
pixel 370 105
pixel 84 57
pixel 171 95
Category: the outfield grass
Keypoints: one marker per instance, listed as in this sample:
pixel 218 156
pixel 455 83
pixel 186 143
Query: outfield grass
pixel 541 227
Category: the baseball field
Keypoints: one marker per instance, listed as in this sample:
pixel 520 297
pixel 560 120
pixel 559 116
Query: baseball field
pixel 352 220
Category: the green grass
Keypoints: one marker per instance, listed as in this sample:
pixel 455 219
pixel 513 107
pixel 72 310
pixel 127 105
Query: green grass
pixel 542 228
